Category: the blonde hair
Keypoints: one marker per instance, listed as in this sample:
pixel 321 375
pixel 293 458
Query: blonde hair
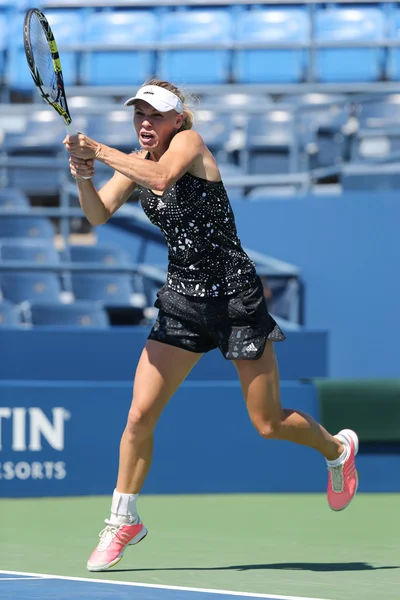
pixel 188 114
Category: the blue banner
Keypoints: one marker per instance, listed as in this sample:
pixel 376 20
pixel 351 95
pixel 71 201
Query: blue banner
pixel 62 438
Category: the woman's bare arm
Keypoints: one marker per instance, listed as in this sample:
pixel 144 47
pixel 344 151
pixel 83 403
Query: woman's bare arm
pixel 100 205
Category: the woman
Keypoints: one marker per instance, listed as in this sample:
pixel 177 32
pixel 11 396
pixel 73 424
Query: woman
pixel 212 298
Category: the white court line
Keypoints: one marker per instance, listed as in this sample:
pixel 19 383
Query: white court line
pixel 161 587
pixel 20 578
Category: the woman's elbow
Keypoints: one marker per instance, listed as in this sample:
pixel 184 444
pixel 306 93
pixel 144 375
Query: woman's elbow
pixel 162 184
pixel 97 220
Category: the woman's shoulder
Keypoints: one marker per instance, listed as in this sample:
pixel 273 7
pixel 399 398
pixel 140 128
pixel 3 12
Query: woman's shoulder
pixel 188 136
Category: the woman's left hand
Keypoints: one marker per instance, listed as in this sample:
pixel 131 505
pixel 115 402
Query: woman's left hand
pixel 81 146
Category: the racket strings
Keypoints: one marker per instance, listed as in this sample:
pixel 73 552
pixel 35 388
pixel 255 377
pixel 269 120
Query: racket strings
pixel 43 59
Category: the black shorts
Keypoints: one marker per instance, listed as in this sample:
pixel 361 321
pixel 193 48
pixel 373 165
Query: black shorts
pixel 239 325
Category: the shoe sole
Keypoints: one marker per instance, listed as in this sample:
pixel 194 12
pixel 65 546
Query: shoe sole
pixel 349 433
pixel 140 536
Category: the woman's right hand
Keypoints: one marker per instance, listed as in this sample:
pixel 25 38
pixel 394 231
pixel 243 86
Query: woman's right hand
pixel 81 168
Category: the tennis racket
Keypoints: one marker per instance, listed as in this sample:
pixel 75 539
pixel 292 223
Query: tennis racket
pixel 45 64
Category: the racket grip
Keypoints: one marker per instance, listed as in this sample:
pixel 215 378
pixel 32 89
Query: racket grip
pixel 72 131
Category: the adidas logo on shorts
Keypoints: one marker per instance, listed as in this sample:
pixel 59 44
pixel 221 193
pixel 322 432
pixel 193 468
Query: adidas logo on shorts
pixel 251 348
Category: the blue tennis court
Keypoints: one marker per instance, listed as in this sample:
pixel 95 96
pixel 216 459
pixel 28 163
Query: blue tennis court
pixel 35 586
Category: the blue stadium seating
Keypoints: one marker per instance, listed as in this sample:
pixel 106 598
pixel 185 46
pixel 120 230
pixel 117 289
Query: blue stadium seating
pixel 29 250
pixel 112 289
pixel 3 44
pixel 380 111
pixel 199 65
pixel 67 29
pixel 78 314
pixel 17 74
pixel 214 128
pixel 119 67
pixel 321 120
pixel 23 286
pixel 268 140
pixel 26 227
pixel 393 60
pixel 349 64
pixel 13 198
pixel 114 129
pixel 43 134
pixel 235 101
pixel 271 66
pixel 12 5
pixel 371 177
pixel 9 316
pixel 108 255
pixel 235 192
pixel 67 26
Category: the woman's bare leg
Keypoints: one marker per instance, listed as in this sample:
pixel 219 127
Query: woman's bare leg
pixel 260 384
pixel 161 370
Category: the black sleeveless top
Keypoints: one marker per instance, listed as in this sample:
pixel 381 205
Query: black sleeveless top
pixel 205 256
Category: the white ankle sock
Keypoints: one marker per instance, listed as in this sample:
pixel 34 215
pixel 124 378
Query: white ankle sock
pixel 343 457
pixel 123 508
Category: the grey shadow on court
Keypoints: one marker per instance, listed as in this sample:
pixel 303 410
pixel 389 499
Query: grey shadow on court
pixel 319 567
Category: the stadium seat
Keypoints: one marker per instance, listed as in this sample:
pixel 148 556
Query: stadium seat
pixel 33 286
pixel 380 112
pixel 393 58
pixel 237 105
pixel 235 101
pixel 13 198
pixel 115 67
pixel 12 5
pixel 274 191
pixel 185 65
pixel 235 192
pixel 26 227
pixel 372 144
pixel 321 126
pixel 9 317
pixel 107 255
pixel 3 44
pixel 78 314
pixel 114 129
pixel 371 177
pixel 68 28
pixel 214 128
pixel 352 25
pixel 112 289
pixel 29 250
pixel 271 65
pixel 43 135
pixel 268 141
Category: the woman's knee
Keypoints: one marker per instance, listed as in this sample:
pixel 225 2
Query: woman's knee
pixel 268 428
pixel 140 423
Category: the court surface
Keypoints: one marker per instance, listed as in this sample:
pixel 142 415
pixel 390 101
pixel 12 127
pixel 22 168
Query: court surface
pixel 282 547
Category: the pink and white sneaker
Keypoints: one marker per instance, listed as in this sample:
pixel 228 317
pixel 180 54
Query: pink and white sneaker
pixel 343 478
pixel 114 539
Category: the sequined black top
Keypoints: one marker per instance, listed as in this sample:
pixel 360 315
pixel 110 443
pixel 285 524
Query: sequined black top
pixel 205 256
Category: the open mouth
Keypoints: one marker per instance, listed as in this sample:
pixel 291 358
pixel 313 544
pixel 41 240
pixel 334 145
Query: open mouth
pixel 146 137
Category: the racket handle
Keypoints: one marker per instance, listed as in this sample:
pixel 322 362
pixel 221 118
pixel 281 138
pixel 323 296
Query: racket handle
pixel 72 131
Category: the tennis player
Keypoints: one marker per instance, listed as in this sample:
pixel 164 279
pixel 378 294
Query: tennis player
pixel 213 298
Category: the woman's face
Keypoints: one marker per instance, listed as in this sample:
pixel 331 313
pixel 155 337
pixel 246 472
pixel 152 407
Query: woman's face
pixel 155 129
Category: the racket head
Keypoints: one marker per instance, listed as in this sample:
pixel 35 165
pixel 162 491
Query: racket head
pixel 44 62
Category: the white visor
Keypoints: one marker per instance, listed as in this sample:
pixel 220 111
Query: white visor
pixel 159 98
